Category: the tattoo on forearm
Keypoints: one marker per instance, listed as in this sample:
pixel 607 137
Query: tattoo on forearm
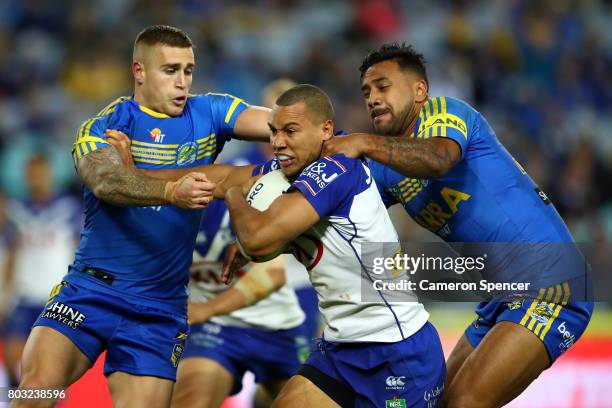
pixel 104 173
pixel 416 158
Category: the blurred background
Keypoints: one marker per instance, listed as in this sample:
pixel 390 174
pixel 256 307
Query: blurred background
pixel 538 71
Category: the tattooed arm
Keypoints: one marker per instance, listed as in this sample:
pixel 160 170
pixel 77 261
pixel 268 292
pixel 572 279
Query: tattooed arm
pixel 417 158
pixel 110 181
pixel 223 176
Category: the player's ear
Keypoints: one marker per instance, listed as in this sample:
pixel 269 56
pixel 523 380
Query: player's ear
pixel 138 72
pixel 328 129
pixel 421 89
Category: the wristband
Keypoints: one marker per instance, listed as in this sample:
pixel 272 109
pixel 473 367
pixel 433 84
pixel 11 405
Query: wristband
pixel 256 284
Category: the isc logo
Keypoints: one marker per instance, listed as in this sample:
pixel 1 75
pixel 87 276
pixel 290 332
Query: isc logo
pixel 395 382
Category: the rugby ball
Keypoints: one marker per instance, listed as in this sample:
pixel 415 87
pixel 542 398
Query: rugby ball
pixel 260 196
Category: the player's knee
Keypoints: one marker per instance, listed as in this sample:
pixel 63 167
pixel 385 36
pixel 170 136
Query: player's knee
pixel 185 396
pixel 189 393
pixel 33 380
pixel 281 401
pixel 455 398
pixel 36 379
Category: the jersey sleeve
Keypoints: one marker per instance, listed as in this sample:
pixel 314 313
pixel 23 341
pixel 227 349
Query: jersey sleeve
pixel 266 167
pixel 380 178
pixel 76 216
pixel 90 137
pixel 446 117
pixel 327 183
pixel 225 110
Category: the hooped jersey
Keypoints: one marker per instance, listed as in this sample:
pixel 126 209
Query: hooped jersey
pixel 352 215
pixel 149 249
pixel 486 197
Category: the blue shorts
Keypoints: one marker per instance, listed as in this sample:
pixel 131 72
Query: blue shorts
pixel 21 318
pixel 557 325
pixel 309 303
pixel 408 373
pixel 269 354
pixel 138 340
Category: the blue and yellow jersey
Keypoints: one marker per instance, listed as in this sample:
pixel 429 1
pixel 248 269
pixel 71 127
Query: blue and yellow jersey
pixel 486 197
pixel 148 250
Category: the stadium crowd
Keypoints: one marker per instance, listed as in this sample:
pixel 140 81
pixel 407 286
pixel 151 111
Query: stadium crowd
pixel 537 70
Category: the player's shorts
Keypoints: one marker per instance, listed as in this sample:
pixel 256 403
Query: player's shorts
pixel 557 325
pixel 309 303
pixel 20 319
pixel 268 354
pixel 138 340
pixel 408 373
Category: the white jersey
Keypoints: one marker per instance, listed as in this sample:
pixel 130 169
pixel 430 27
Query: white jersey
pixel 297 275
pixel 279 311
pixel 352 214
pixel 46 242
pixel 8 236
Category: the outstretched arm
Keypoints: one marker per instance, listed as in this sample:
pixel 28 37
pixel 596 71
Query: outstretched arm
pixel 258 283
pixel 417 158
pixel 103 172
pixel 265 232
pixel 223 176
pixel 252 124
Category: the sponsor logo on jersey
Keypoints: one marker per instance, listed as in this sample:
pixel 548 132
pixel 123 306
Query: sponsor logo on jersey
pixel 157 135
pixel 180 336
pixel 431 396
pixel 445 231
pixel 395 383
pixel 445 120
pixel 56 290
pixel 395 403
pixel 542 312
pixel 320 174
pixel 434 215
pixel 542 195
pixel 177 352
pixel 186 153
pixel 211 328
pixel 568 338
pixel 516 303
pixel 302 347
pixel 65 314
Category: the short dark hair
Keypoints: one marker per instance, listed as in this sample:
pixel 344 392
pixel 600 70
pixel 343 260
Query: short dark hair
pixel 404 54
pixel 164 34
pixel 316 100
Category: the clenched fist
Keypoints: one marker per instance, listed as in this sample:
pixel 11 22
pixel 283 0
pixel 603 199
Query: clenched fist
pixel 193 191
